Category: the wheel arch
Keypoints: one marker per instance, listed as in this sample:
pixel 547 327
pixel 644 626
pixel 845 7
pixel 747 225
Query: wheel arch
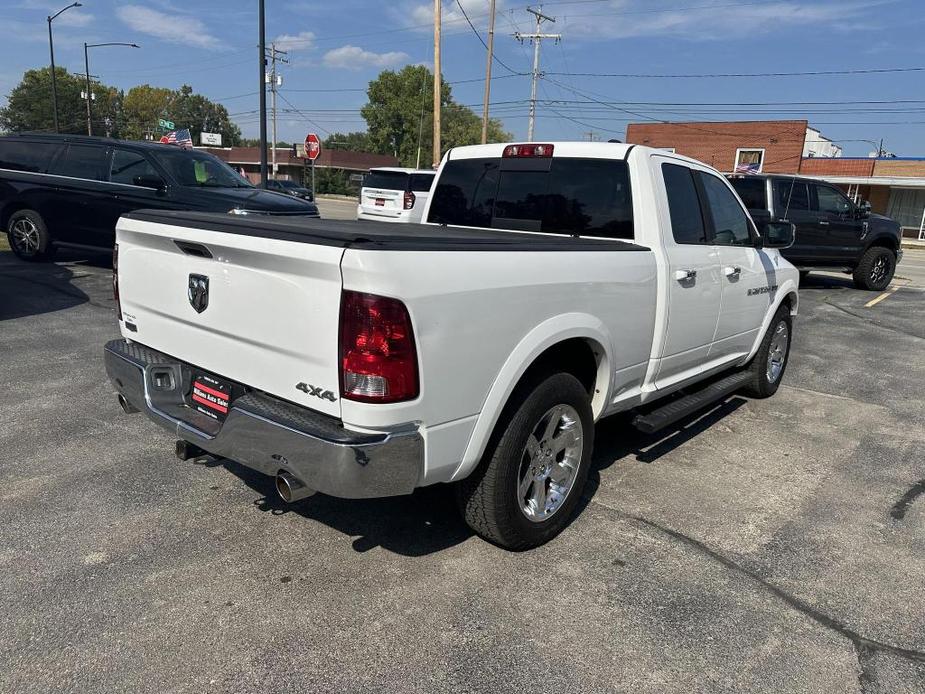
pixel 883 241
pixel 11 208
pixel 787 294
pixel 572 343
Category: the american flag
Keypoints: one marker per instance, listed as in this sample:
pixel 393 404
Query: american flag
pixel 178 137
pixel 748 168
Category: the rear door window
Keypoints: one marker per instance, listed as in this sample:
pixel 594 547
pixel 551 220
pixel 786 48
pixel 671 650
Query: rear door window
pixel 386 180
pixel 32 157
pixel 791 195
pixel 421 183
pixel 128 165
pixel 730 223
pixel 81 161
pixel 581 197
pixel 687 225
pixel 752 192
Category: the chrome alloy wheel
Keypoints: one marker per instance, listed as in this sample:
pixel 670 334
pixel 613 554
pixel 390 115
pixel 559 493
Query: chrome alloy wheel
pixel 777 353
pixel 879 271
pixel 549 463
pixel 25 236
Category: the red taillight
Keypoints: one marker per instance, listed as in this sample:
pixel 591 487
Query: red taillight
pixel 377 357
pixel 409 199
pixel 115 279
pixel 531 150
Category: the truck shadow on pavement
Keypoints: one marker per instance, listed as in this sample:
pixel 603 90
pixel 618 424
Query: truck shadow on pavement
pixel 428 521
pixel 28 289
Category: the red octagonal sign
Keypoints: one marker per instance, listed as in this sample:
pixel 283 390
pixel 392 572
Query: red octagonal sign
pixel 312 146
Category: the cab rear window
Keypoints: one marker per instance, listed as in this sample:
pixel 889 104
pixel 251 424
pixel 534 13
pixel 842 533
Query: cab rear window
pixel 581 197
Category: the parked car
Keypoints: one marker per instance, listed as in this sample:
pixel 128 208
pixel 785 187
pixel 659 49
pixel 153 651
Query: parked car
pixel 391 194
pixel 65 190
pixel 605 277
pixel 832 232
pixel 289 188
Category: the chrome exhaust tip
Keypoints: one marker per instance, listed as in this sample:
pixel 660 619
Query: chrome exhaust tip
pixel 127 407
pixel 291 489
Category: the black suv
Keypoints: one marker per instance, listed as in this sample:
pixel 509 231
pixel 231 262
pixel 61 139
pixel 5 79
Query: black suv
pixel 832 233
pixel 65 190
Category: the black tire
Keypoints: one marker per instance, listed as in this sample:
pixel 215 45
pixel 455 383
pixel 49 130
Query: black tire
pixel 28 236
pixel 875 271
pixel 489 498
pixel 765 380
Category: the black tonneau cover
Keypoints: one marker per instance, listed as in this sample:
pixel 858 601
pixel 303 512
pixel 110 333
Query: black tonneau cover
pixel 371 235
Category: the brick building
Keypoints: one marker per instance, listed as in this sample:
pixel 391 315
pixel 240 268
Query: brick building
pixel 894 186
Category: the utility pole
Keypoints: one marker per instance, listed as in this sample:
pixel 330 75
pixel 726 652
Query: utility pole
pixel 89 94
pixel 491 53
pixel 590 134
pixel 275 82
pixel 536 38
pixel 262 48
pixel 438 88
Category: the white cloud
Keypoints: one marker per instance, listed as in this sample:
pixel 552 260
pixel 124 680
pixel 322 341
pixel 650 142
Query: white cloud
pixel 295 42
pixel 355 58
pixel 174 28
pixel 637 18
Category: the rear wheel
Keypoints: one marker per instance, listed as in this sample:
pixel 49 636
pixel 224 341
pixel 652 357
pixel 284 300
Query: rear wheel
pixel 768 366
pixel 28 236
pixel 530 481
pixel 875 271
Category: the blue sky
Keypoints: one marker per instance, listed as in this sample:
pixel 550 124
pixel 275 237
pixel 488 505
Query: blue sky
pixel 335 48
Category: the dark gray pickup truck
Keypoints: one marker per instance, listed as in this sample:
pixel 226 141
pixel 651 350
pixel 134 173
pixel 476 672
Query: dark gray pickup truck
pixel 832 232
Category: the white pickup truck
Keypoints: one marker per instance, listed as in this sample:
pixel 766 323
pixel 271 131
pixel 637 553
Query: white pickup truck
pixel 553 285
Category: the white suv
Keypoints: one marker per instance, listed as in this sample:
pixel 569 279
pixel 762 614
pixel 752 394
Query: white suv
pixel 392 194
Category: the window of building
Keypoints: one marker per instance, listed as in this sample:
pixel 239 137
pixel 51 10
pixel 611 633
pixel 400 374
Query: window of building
pixel 683 205
pixel 906 206
pixel 749 160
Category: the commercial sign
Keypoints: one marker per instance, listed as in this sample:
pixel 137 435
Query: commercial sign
pixel 214 139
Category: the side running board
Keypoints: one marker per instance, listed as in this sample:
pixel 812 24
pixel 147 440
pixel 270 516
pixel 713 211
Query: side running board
pixel 678 409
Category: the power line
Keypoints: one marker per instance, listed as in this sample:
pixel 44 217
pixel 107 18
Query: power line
pixel 482 41
pixel 827 73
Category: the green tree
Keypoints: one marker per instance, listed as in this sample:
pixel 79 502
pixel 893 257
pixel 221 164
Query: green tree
pixel 399 117
pixel 353 141
pixel 199 114
pixel 29 105
pixel 143 106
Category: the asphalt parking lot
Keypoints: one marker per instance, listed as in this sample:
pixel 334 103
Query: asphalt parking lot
pixel 766 546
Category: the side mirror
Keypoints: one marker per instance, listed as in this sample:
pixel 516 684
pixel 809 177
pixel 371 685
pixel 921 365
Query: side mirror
pixel 777 234
pixel 863 209
pixel 149 181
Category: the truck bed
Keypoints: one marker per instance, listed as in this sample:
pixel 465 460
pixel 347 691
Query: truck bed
pixel 385 236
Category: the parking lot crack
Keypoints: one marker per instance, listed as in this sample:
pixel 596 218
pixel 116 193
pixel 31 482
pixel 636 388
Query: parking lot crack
pixel 862 644
pixel 871 319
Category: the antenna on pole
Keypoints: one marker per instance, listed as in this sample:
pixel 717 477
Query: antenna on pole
pixel 536 37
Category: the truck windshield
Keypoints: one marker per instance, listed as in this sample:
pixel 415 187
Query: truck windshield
pixel 198 169
pixel 581 197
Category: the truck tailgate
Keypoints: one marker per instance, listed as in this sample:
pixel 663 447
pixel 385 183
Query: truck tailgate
pixel 271 319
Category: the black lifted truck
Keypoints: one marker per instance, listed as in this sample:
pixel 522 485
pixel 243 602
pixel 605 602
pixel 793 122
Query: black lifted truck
pixel 832 232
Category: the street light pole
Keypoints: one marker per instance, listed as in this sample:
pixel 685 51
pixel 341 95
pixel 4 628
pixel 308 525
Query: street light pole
pixel 51 49
pixel 87 70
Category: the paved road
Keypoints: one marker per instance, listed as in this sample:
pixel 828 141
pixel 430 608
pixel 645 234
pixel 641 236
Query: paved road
pixel 768 546
pixel 335 208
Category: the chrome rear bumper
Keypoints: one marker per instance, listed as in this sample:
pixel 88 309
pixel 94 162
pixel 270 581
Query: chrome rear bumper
pixel 268 434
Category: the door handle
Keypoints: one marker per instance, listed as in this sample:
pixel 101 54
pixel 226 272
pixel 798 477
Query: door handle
pixel 732 271
pixel 823 223
pixel 682 275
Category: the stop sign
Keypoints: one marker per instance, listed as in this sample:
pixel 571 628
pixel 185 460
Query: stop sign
pixel 312 146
